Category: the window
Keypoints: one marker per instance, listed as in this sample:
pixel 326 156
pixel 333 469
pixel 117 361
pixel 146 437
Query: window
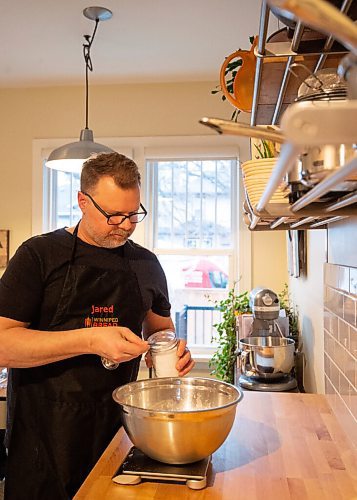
pixel 194 229
pixel 190 187
pixel 61 196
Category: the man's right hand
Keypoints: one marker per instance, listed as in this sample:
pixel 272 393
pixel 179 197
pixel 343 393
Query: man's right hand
pixel 116 343
pixel 22 347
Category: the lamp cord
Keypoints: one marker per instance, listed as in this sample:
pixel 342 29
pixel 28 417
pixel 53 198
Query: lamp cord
pixel 88 61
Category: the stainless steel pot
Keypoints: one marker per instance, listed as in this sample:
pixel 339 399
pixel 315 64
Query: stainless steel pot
pixel 318 162
pixel 178 420
pixel 322 161
pixel 266 357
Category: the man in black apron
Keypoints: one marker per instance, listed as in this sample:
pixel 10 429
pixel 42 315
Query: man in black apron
pixel 71 302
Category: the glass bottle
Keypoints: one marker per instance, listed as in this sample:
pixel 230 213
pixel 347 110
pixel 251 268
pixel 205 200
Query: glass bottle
pixel 163 350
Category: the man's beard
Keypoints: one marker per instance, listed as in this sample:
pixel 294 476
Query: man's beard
pixel 113 240
pixel 116 238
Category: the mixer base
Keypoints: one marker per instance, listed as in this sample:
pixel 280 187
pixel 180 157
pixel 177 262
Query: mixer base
pixel 288 383
pixel 137 466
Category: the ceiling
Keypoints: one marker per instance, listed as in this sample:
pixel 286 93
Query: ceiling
pixel 145 41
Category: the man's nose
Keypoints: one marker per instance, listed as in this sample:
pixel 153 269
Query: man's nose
pixel 126 224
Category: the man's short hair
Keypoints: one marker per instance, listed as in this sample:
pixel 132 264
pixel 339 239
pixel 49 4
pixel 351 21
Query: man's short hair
pixel 123 170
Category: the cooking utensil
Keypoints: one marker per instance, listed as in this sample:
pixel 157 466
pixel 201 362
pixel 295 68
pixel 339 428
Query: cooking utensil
pixel 108 364
pixel 324 17
pixel 319 161
pixel 325 84
pixel 243 83
pixel 256 174
pixel 266 357
pixel 234 128
pixel 313 164
pixel 289 19
pixel 178 420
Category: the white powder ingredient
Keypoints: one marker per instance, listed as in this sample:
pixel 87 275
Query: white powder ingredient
pixel 165 362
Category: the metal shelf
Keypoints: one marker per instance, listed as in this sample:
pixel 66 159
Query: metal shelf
pixel 303 124
pixel 286 53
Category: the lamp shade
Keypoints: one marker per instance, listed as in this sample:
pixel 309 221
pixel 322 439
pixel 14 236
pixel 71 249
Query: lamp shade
pixel 70 157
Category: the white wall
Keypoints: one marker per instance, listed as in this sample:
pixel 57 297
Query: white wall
pixel 307 294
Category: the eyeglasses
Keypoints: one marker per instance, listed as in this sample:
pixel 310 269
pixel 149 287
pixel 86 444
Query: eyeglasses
pixel 118 218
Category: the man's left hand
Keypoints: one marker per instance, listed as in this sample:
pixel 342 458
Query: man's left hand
pixel 184 364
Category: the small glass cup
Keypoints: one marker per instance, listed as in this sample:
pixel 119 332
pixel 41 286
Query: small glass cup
pixel 163 350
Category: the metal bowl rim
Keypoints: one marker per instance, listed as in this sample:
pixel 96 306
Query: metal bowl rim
pixel 248 344
pixel 182 381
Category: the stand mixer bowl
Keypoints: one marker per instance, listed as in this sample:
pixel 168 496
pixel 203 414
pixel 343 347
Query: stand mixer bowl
pixel 266 357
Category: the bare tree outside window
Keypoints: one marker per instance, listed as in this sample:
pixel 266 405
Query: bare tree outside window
pixel 194 237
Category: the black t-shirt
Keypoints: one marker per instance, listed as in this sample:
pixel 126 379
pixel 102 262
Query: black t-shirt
pixel 32 283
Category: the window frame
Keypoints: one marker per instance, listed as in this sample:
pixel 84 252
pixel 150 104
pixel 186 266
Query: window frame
pixel 142 149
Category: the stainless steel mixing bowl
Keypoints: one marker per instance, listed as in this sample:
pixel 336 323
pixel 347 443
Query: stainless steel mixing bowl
pixel 178 420
pixel 266 357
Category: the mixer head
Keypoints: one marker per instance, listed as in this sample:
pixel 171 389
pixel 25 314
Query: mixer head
pixel 264 303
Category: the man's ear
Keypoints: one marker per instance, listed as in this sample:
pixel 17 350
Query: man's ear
pixel 82 201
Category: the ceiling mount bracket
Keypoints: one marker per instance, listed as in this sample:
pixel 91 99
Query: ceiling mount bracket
pixel 97 13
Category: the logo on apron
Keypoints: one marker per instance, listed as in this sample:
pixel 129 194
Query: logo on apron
pixel 94 320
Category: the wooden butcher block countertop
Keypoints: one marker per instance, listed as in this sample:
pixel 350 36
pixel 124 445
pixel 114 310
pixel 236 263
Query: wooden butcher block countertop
pixel 282 446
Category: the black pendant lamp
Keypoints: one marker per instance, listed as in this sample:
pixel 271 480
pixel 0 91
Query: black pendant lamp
pixel 70 157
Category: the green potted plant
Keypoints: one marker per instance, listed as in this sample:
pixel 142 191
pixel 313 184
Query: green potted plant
pixel 294 333
pixel 224 359
pixel 291 313
pixel 257 171
pixel 264 149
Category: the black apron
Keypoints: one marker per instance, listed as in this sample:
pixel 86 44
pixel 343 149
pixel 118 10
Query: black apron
pixel 64 415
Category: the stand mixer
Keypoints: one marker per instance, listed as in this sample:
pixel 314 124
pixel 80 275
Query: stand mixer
pixel 265 307
pixel 266 355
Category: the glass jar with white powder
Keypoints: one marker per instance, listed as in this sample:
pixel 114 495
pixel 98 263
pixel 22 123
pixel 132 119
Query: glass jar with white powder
pixel 163 350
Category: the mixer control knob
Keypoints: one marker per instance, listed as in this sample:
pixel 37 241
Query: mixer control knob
pixel 267 300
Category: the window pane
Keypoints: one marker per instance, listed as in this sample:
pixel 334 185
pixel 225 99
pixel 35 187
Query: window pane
pixel 195 283
pixel 65 191
pixel 188 271
pixel 193 203
pixel 163 223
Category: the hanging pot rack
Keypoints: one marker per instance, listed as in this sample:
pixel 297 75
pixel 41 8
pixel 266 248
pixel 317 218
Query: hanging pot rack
pixel 303 124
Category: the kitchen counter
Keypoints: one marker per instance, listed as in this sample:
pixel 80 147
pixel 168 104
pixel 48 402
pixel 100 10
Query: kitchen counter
pixel 282 446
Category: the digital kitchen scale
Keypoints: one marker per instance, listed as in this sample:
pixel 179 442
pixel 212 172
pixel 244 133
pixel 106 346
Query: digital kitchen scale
pixel 137 466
